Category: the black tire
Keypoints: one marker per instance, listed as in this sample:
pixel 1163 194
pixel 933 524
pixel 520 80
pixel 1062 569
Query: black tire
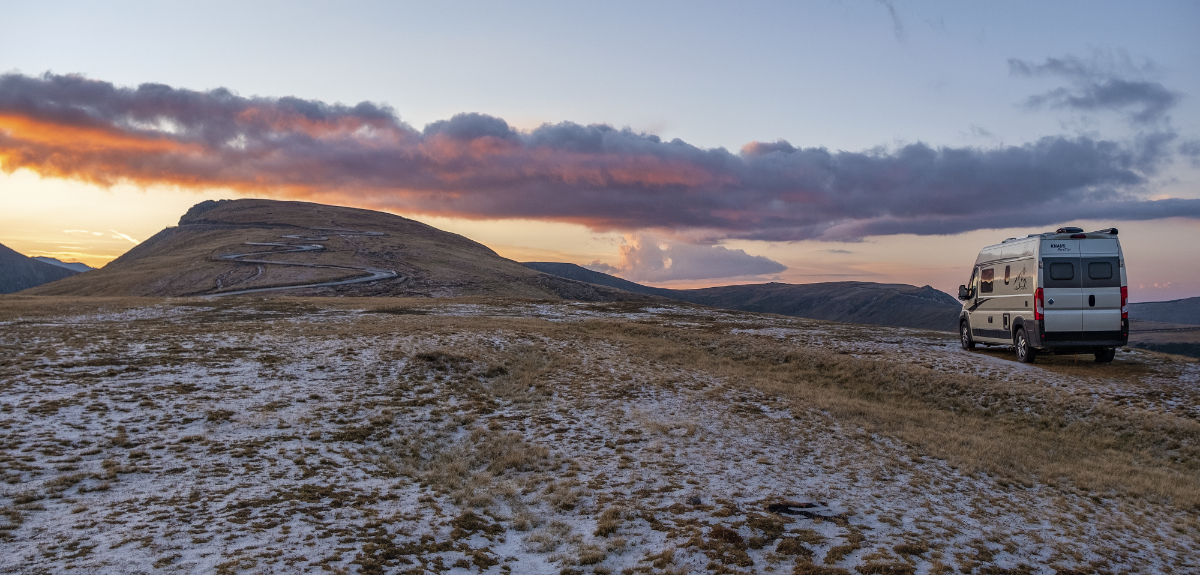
pixel 1025 351
pixel 1105 354
pixel 964 336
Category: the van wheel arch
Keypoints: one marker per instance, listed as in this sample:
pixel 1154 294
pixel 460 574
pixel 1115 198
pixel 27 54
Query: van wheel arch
pixel 1024 348
pixel 964 334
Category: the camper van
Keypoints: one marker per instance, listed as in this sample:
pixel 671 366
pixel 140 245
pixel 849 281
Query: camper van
pixel 1060 292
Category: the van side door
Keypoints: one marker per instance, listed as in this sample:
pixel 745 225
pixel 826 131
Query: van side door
pixel 1101 297
pixel 1062 282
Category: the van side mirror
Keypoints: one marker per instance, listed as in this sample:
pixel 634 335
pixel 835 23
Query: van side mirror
pixel 963 294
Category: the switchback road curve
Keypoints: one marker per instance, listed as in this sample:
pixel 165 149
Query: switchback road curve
pixel 375 273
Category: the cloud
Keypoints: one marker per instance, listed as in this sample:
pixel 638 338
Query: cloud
pixel 1100 84
pixel 897 26
pixel 1191 150
pixel 120 236
pixel 610 180
pixel 646 258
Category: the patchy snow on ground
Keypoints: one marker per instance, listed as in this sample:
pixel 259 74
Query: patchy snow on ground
pixel 452 438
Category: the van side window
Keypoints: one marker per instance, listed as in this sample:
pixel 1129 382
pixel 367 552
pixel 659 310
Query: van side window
pixel 986 280
pixel 1099 271
pixel 1061 271
pixel 1007 274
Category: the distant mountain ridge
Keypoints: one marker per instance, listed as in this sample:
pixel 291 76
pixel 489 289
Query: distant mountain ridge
pixel 1175 311
pixel 74 266
pixel 19 272
pixel 898 305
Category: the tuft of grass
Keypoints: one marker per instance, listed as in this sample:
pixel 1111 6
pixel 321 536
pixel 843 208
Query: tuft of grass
pixel 608 522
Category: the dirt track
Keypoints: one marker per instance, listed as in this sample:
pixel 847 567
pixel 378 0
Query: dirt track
pixel 374 273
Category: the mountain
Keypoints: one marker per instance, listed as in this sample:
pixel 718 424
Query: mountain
pixel 580 273
pixel 18 272
pixel 74 266
pixel 1174 311
pixel 897 305
pixel 231 246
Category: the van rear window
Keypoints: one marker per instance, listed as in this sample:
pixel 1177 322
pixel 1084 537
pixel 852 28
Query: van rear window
pixel 1102 272
pixel 1062 271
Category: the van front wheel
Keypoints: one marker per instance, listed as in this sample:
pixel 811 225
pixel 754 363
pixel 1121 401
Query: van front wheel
pixel 964 335
pixel 1025 351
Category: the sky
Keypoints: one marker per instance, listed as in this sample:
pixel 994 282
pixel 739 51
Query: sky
pixel 670 143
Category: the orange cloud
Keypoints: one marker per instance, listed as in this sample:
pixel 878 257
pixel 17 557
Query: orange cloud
pixel 477 166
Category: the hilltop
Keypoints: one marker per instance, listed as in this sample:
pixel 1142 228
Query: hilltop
pixel 896 305
pixel 235 246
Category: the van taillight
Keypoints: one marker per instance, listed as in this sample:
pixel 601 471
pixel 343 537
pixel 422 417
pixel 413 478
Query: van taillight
pixel 1039 307
pixel 1124 303
pixel 1079 236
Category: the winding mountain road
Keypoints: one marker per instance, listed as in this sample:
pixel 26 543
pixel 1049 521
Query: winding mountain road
pixel 375 273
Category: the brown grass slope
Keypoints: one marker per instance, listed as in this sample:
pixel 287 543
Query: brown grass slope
pixel 18 272
pixel 183 260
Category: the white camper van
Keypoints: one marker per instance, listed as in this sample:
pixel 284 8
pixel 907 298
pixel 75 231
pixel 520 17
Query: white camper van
pixel 1060 292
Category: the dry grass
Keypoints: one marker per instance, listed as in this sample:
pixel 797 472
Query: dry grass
pixel 1019 430
pixel 359 434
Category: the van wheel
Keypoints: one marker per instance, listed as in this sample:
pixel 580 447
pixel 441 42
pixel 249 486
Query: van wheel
pixel 1025 352
pixel 964 336
pixel 1105 354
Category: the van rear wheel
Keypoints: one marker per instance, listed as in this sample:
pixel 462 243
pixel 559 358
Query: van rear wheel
pixel 1025 352
pixel 1105 354
pixel 964 335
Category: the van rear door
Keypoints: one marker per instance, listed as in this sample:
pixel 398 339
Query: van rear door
pixel 1101 266
pixel 1062 282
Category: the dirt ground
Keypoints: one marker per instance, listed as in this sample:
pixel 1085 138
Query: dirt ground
pixel 361 435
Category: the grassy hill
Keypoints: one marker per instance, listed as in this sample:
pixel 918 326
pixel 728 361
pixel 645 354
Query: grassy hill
pixel 187 259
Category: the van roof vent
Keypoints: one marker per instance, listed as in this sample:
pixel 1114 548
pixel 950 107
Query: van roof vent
pixel 1009 240
pixel 1112 231
pixel 1069 231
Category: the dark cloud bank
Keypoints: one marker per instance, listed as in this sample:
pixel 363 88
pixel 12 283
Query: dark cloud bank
pixel 1100 84
pixel 477 166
